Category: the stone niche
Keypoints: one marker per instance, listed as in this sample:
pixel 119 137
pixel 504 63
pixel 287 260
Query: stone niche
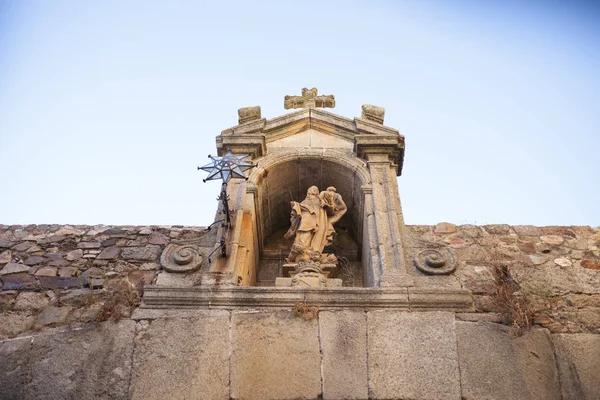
pixel 361 158
pixel 290 181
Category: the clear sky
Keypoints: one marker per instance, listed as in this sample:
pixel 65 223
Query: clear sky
pixel 107 107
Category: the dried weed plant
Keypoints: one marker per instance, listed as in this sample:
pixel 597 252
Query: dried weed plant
pixel 510 302
pixel 121 297
pixel 306 311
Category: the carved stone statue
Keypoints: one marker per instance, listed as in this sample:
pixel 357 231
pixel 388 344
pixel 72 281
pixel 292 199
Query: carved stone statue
pixel 312 225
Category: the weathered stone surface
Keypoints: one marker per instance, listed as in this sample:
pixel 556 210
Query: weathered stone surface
pixel 108 253
pixel 68 230
pixel 58 263
pixel 145 231
pixel 141 277
pixel 93 272
pixel 52 239
pixel 34 249
pixel 24 246
pixel 14 268
pixel 445 227
pixel 175 280
pixel 563 262
pixel 80 297
pixel 194 351
pixel 5 257
pixel 92 363
pixel 66 272
pixel 527 230
pixel 74 255
pixel 527 247
pixel 115 232
pixel 7 299
pixel 344 347
pixel 61 283
pixel 578 358
pixel 137 242
pixel 158 238
pixel 538 259
pixel 269 349
pixel 478 279
pixel 458 241
pixel 17 281
pixel 497 229
pixel 53 256
pixel 147 253
pixel 412 355
pixel 590 263
pixel 496 365
pixel 149 266
pixel 30 301
pixel 46 271
pixel 549 279
pixel 553 240
pixel 34 260
pixel 12 324
pixel 15 357
pixel 52 315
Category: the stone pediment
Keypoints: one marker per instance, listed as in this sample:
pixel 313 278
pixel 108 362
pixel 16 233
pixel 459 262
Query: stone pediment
pixel 311 128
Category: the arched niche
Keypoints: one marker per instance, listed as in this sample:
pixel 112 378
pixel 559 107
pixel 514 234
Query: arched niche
pixel 284 177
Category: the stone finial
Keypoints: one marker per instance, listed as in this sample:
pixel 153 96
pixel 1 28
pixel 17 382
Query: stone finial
pixel 248 114
pixel 373 113
pixel 309 99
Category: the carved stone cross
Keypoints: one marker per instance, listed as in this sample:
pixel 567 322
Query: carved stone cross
pixel 309 99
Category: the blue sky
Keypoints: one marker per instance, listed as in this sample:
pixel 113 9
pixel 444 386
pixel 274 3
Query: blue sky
pixel 106 108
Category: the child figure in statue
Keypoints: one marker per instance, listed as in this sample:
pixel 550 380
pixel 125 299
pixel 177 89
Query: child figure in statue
pixel 312 223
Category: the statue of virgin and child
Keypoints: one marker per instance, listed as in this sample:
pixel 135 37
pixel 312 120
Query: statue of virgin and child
pixel 312 225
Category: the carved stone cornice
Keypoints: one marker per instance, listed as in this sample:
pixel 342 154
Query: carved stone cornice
pixel 253 144
pixel 390 145
pixel 365 126
pixel 412 298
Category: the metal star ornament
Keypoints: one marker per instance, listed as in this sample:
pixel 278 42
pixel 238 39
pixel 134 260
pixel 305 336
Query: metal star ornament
pixel 227 167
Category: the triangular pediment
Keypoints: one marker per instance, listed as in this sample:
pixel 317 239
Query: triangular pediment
pixel 320 120
pixel 309 128
pixel 311 138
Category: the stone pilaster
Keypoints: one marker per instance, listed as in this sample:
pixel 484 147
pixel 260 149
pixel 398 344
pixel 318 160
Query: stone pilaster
pixel 386 238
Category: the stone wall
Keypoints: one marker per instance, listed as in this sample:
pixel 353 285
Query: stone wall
pixel 270 354
pixel 58 280
pixel 52 274
pixel 556 268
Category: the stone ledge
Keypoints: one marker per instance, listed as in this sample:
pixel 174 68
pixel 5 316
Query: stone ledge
pixel 325 298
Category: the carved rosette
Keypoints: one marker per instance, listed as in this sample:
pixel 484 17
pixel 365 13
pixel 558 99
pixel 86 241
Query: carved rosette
pixel 436 261
pixel 181 258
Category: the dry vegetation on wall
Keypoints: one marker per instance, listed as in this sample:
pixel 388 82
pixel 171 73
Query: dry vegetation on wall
pixel 510 301
pixel 306 311
pixel 121 298
pixel 547 276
